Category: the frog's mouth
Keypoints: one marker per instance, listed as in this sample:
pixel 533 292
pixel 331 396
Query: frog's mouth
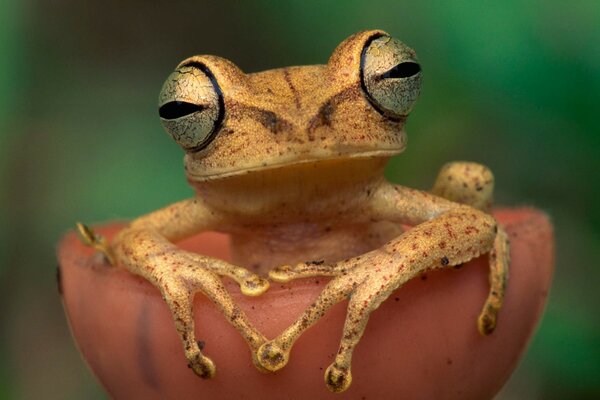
pixel 282 164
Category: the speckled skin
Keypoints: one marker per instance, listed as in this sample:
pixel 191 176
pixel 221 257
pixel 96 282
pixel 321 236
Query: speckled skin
pixel 290 163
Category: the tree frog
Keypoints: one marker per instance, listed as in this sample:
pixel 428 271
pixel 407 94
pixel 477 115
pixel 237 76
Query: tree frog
pixel 290 163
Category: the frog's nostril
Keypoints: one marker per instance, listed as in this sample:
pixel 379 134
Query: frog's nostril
pixel 178 109
pixel 402 70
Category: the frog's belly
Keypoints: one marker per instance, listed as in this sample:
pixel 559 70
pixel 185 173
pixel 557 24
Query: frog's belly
pixel 263 249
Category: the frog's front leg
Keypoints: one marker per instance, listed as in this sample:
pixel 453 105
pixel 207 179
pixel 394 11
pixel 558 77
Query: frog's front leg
pixel 473 184
pixel 146 248
pixel 451 235
pixel 462 182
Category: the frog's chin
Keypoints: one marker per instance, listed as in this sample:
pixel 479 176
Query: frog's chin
pixel 264 166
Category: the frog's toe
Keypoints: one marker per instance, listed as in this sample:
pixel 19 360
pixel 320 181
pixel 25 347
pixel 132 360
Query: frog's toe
pixel 202 366
pixel 272 357
pixel 254 286
pixel 98 242
pixel 486 323
pixel 337 378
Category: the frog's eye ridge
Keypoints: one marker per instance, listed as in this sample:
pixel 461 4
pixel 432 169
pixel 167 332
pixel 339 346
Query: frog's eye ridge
pixel 178 109
pixel 390 76
pixel 191 106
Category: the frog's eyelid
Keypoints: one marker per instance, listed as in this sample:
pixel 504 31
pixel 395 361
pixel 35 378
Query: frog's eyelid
pixel 402 70
pixel 178 109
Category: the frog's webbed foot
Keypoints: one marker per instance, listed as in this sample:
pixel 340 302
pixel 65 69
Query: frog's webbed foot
pixel 370 278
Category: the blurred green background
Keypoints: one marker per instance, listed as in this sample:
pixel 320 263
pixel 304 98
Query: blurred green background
pixel 512 84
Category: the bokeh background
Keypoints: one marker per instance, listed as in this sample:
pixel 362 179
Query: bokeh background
pixel 512 84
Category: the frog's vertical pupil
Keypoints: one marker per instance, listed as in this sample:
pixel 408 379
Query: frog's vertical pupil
pixel 402 70
pixel 178 109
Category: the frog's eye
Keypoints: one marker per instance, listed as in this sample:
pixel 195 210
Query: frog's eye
pixel 390 76
pixel 191 106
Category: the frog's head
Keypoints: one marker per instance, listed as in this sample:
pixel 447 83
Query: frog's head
pixel 230 123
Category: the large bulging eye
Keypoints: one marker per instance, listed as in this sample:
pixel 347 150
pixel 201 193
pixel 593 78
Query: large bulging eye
pixel 390 76
pixel 191 106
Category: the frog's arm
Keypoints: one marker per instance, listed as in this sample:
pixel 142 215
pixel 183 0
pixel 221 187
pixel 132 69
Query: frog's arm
pixel 457 184
pixel 445 234
pixel 473 184
pixel 460 182
pixel 146 248
pixel 158 231
pixel 413 207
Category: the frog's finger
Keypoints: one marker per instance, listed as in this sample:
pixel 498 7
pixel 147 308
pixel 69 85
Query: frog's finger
pixel 210 285
pixel 250 284
pixel 274 355
pixel 179 295
pixel 98 242
pixel 179 299
pixel 499 259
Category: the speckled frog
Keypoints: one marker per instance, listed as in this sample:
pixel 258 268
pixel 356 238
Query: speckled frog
pixel 289 162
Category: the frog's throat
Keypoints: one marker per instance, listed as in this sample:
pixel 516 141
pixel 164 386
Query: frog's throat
pixel 198 178
pixel 312 188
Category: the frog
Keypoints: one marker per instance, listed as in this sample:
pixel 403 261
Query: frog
pixel 290 163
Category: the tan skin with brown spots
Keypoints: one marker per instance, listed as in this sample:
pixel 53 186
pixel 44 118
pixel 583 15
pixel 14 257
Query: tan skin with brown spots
pixel 290 163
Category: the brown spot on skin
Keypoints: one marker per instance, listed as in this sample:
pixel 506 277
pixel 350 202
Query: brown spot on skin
pixel 445 261
pixel 288 79
pixel 323 118
pixel 271 121
pixel 326 111
pixel 235 313
pixel 267 118
pixel 201 344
